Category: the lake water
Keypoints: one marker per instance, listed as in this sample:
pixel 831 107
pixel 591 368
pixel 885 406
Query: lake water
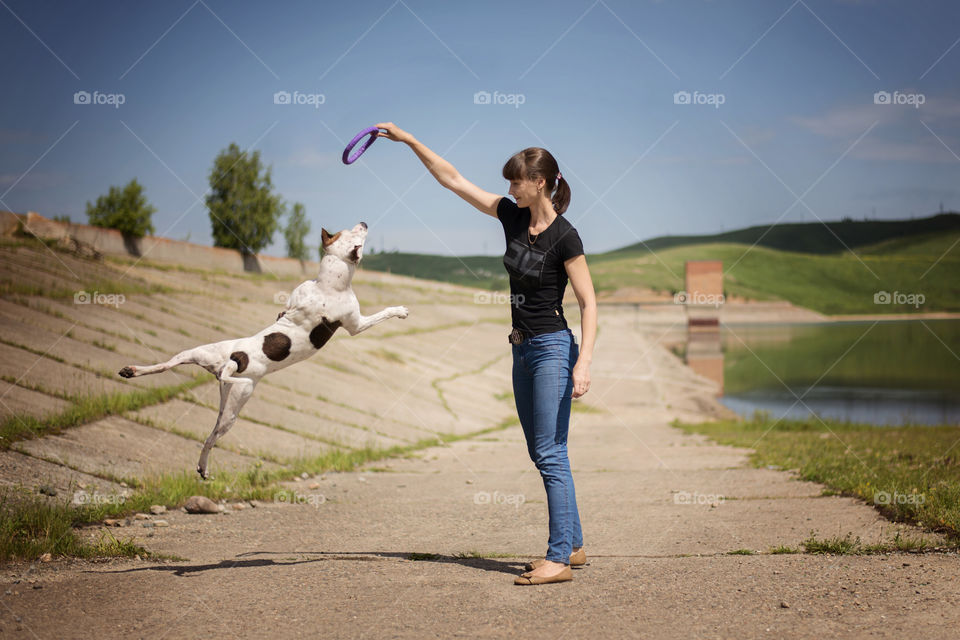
pixel 889 373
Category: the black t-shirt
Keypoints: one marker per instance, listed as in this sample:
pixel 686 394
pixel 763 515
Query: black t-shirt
pixel 537 275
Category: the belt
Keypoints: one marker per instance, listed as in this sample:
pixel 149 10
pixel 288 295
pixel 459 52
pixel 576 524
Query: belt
pixel 516 336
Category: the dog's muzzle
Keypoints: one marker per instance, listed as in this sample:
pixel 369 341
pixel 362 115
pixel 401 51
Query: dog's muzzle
pixel 516 336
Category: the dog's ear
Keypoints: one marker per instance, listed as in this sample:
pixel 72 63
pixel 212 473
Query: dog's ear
pixel 326 238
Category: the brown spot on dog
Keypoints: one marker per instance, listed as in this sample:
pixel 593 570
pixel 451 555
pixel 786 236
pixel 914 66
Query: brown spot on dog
pixel 276 346
pixel 323 332
pixel 241 359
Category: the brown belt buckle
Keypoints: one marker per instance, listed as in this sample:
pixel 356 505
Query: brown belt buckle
pixel 516 336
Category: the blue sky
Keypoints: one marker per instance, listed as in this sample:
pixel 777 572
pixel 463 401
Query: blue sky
pixel 799 135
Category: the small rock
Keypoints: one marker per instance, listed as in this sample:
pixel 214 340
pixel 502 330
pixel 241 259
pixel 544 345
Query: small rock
pixel 113 522
pixel 123 484
pixel 784 605
pixel 239 506
pixel 160 523
pixel 47 490
pixel 81 485
pixel 362 479
pixel 323 477
pixel 469 481
pixel 38 586
pixel 46 557
pixel 200 504
pixel 304 475
pixel 141 516
pixel 157 509
pixel 149 524
pixel 313 485
pixel 297 479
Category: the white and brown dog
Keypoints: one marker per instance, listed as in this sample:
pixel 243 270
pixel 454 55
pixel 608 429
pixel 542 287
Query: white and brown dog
pixel 314 311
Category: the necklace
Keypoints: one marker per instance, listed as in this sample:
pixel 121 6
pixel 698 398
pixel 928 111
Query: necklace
pixel 535 237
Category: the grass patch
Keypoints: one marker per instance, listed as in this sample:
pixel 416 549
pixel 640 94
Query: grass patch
pixel 87 409
pixel 31 527
pixel 388 355
pixel 741 552
pixel 910 474
pixel 781 550
pixel 489 554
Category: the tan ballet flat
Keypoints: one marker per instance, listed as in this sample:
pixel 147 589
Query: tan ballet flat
pixel 577 559
pixel 565 575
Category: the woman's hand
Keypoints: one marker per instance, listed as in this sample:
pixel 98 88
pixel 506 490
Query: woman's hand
pixel 581 378
pixel 393 132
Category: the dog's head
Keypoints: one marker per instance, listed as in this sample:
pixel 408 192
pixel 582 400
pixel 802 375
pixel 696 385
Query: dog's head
pixel 347 244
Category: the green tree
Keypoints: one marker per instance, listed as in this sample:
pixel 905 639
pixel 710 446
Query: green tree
pixel 295 232
pixel 244 211
pixel 125 210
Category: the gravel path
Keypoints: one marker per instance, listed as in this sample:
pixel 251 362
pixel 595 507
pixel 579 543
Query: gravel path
pixel 429 546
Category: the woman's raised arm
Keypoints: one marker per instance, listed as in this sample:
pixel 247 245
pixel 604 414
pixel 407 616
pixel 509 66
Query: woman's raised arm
pixel 445 173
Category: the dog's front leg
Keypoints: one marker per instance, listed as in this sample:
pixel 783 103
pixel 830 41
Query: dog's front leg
pixel 354 323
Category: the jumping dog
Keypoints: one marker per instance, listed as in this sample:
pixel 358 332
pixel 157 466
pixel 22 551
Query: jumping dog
pixel 314 311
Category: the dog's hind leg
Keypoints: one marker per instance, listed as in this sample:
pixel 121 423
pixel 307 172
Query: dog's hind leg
pixel 233 395
pixel 203 356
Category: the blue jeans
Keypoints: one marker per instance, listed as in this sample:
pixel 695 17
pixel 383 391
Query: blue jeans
pixel 542 387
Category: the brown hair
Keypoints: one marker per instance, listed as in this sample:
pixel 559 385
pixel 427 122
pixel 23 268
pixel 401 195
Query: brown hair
pixel 533 163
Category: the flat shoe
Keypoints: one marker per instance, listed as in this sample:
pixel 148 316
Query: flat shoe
pixel 565 575
pixel 577 559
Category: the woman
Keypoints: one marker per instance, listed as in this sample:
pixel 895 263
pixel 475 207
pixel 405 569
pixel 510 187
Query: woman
pixel 543 251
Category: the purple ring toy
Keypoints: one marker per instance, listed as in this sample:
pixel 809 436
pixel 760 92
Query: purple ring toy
pixel 350 158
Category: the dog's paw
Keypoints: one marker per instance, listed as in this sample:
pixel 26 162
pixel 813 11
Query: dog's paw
pixel 401 312
pixel 202 472
pixel 127 372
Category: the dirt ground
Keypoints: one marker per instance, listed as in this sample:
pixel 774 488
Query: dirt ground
pixel 428 546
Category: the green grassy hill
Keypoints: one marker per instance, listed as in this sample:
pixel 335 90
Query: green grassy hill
pixel 926 263
pixel 812 237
